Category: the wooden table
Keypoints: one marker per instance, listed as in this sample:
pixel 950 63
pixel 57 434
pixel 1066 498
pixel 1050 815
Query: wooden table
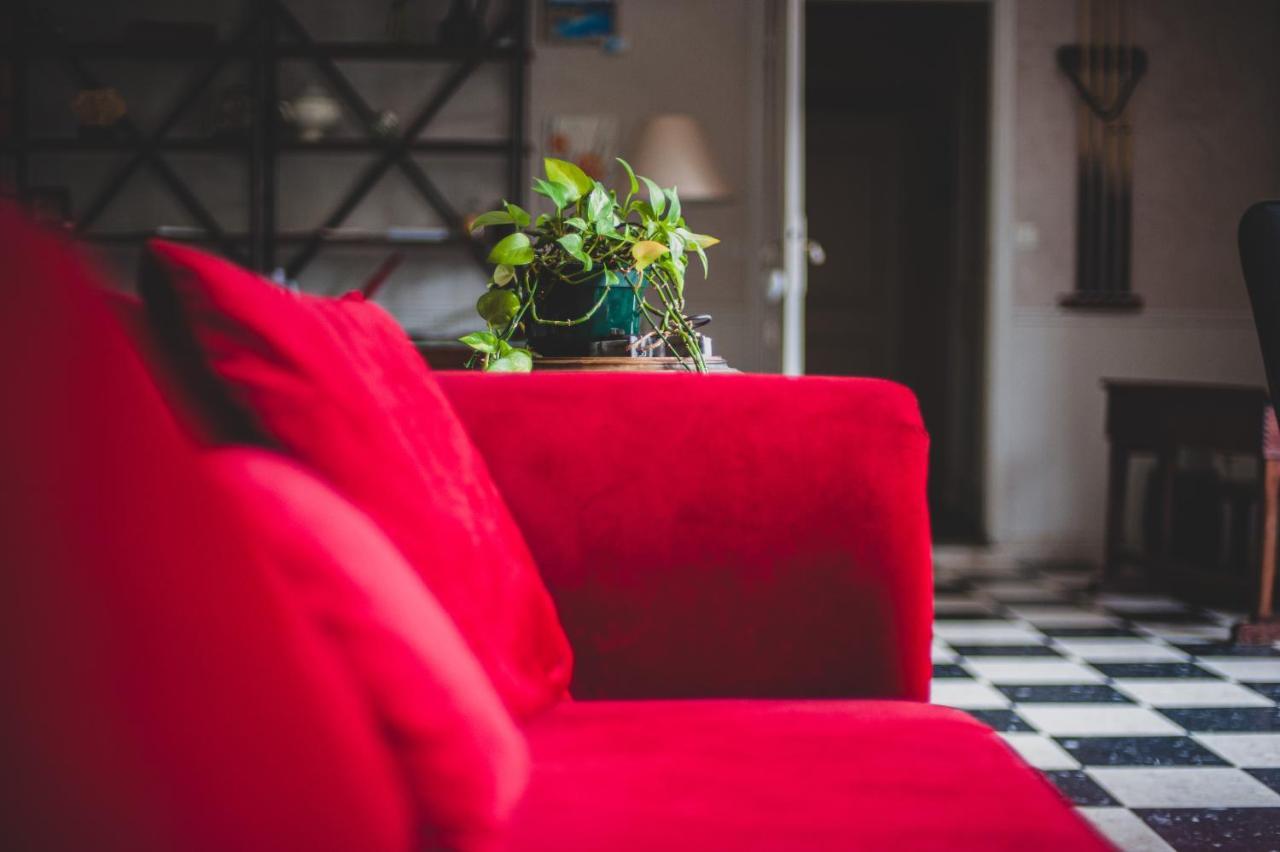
pixel 1160 418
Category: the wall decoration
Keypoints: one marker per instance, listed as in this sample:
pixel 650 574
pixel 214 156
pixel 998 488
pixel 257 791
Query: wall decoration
pixel 579 21
pixel 98 111
pixel 588 141
pixel 1104 69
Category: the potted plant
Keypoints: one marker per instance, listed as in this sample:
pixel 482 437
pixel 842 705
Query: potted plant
pixel 588 272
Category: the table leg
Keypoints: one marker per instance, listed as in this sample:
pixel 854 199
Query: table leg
pixel 1117 491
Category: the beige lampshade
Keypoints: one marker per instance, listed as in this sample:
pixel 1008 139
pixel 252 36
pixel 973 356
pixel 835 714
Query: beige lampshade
pixel 673 151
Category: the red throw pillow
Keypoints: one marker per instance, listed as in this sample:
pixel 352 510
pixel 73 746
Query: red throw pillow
pixel 465 761
pixel 337 385
pixel 161 690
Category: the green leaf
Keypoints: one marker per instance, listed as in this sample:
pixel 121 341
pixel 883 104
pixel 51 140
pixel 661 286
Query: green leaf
pixel 558 194
pixel 675 242
pixel 503 274
pixel 542 220
pixel 702 240
pixel 519 216
pixel 515 361
pixel 572 244
pixel 569 176
pixel 610 278
pixel 657 201
pixel 576 222
pixel 646 252
pixel 493 217
pixel 631 176
pixel 504 348
pixel 513 250
pixel 673 211
pixel 599 204
pixel 702 256
pixel 481 341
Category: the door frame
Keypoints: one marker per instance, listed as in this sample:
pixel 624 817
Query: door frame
pixel 996 343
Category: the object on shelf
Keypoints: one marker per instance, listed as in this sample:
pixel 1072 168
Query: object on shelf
pixel 195 33
pixel 673 150
pixel 587 141
pixel 313 113
pixel 579 21
pixel 49 204
pixel 98 111
pixel 463 24
pixel 386 124
pixel 231 116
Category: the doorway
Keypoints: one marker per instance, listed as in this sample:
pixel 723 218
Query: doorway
pixel 896 124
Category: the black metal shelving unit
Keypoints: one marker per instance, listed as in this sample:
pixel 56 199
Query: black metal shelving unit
pixel 267 36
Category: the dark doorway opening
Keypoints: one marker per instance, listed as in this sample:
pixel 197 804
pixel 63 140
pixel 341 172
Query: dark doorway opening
pixel 896 105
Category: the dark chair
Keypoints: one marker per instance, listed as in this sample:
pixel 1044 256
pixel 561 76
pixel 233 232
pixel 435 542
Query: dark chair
pixel 1260 261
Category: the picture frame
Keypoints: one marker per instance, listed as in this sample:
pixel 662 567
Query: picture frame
pixel 585 22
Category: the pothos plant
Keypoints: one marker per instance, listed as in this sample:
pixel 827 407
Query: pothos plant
pixel 637 241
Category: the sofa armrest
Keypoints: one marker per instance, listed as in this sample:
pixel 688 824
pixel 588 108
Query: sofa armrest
pixel 722 535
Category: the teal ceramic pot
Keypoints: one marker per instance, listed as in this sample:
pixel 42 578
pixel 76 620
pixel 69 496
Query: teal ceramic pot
pixel 617 316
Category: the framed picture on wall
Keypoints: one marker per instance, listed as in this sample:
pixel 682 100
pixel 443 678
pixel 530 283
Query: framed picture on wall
pixel 579 21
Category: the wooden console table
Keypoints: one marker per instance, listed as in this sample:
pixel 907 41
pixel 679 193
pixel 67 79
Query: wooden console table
pixel 1160 418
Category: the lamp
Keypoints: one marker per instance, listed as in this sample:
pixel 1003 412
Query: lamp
pixel 673 151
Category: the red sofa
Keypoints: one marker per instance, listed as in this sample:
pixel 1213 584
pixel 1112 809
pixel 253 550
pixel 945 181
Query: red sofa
pixel 748 603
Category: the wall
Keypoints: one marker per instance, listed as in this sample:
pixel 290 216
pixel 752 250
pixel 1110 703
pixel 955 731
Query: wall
pixel 1207 144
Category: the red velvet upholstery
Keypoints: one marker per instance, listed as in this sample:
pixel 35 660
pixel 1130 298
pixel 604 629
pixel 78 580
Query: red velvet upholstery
pixel 784 775
pixel 461 755
pixel 336 384
pixel 774 542
pixel 161 692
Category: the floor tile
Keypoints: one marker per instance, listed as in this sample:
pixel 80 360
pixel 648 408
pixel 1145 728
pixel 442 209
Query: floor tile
pixel 1191 693
pixel 966 694
pixel 1251 751
pixel 1217 719
pixel 1140 751
pixel 994 632
pixel 1009 591
pixel 1253 670
pixel 1243 829
pixel 1186 632
pixel 1270 777
pixel 1120 650
pixel 1271 690
pixel 1007 670
pixel 1125 829
pixel 1138 603
pixel 1088 632
pixel 1184 787
pixel 1040 751
pixel 1077 786
pixel 1005 650
pixel 1154 670
pixel 940 653
pixel 1000 720
pixel 1063 616
pixel 1073 693
pixel 1083 720
pixel 1179 615
pixel 1226 649
pixel 949 670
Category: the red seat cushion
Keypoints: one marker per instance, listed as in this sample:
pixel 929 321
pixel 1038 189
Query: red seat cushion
pixel 783 775
pixel 464 759
pixel 336 384
pixel 162 691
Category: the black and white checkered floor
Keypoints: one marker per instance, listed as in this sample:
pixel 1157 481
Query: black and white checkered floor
pixel 1164 736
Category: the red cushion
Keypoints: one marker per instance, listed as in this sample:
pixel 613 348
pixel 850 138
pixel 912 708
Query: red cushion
pixel 784 775
pixel 161 690
pixel 337 385
pixel 464 759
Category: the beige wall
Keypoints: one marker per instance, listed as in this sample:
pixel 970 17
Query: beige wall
pixel 1207 144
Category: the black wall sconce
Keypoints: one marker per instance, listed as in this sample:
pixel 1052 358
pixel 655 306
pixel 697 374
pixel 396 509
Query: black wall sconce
pixel 1104 69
